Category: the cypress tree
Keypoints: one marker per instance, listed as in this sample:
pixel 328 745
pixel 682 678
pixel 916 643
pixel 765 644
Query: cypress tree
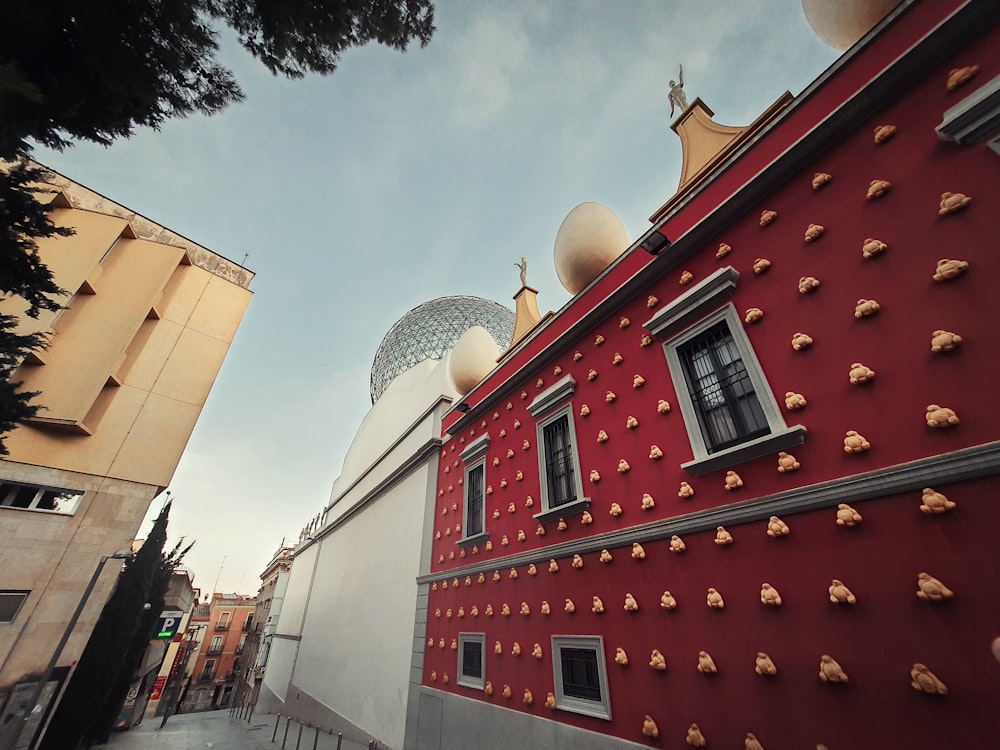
pixel 107 715
pixel 100 668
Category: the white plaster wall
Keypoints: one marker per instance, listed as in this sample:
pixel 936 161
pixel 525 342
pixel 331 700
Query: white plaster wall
pixel 352 593
pixel 281 660
pixel 393 416
pixel 358 635
pixel 293 606
pixel 279 666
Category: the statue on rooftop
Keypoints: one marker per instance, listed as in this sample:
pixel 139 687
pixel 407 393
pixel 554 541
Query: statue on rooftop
pixel 677 97
pixel 523 265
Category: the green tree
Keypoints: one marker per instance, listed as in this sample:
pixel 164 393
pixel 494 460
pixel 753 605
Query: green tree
pixel 23 220
pixel 112 654
pixel 107 715
pixel 99 69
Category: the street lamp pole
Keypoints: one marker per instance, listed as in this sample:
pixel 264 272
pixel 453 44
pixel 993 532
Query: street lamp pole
pixel 12 738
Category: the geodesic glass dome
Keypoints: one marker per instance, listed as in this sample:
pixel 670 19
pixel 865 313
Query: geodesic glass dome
pixel 430 330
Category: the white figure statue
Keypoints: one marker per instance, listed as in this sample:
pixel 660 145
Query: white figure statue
pixel 677 96
pixel 523 265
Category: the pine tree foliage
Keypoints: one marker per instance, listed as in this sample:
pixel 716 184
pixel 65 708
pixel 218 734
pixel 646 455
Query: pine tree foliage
pixel 23 220
pixel 97 70
pixel 109 659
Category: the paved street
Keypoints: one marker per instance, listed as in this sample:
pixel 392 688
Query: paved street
pixel 215 730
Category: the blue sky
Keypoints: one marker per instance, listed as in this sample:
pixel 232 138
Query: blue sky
pixel 405 177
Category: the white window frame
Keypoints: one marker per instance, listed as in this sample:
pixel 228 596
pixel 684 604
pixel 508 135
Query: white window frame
pixel 547 407
pixel 599 709
pixel 575 506
pixel 975 118
pixel 464 680
pixel 8 489
pixel 474 457
pixel 690 316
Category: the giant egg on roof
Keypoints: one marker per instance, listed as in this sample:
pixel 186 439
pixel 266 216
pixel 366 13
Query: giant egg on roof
pixel 840 23
pixel 589 239
pixel 474 355
pixel 431 330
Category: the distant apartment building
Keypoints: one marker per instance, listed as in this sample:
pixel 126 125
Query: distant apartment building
pixel 149 317
pixel 274 582
pixel 220 659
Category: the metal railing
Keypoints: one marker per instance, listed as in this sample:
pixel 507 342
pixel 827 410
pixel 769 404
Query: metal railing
pixel 222 626
pixel 304 735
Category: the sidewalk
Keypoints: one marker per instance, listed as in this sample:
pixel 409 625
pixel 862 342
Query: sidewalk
pixel 216 730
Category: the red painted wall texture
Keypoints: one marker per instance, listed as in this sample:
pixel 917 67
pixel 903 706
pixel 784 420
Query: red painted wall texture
pixel 876 641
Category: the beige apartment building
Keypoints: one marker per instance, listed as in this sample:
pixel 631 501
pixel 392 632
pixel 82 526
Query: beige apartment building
pixel 148 320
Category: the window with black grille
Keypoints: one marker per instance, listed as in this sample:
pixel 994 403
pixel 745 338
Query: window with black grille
pixel 471 661
pixel 579 672
pixel 560 479
pixel 728 410
pixel 474 501
pixel 581 679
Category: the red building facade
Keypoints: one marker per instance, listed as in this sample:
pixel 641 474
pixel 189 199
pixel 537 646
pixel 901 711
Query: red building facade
pixel 219 663
pixel 804 342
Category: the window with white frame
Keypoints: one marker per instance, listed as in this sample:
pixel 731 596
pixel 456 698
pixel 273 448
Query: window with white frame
pixel 472 660
pixel 558 460
pixel 10 604
pixel 580 675
pixel 720 389
pixel 34 497
pixel 474 489
pixel 559 465
pixel 728 408
pixel 474 505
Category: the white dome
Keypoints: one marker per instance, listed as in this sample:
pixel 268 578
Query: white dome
pixel 474 355
pixel 840 23
pixel 589 239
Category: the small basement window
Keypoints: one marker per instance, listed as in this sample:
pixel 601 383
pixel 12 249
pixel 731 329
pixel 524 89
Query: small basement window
pixel 580 674
pixel 472 660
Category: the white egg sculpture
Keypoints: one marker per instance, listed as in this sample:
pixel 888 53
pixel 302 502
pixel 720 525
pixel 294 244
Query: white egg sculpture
pixel 589 239
pixel 474 355
pixel 840 23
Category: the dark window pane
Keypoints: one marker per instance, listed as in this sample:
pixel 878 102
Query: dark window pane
pixel 22 497
pixel 559 462
pixel 580 675
pixel 474 510
pixel 721 391
pixel 10 603
pixel 472 659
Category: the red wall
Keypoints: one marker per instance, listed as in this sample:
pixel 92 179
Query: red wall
pixel 877 641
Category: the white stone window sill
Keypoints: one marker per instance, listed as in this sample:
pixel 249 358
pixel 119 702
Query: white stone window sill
pixel 562 511
pixel 738 454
